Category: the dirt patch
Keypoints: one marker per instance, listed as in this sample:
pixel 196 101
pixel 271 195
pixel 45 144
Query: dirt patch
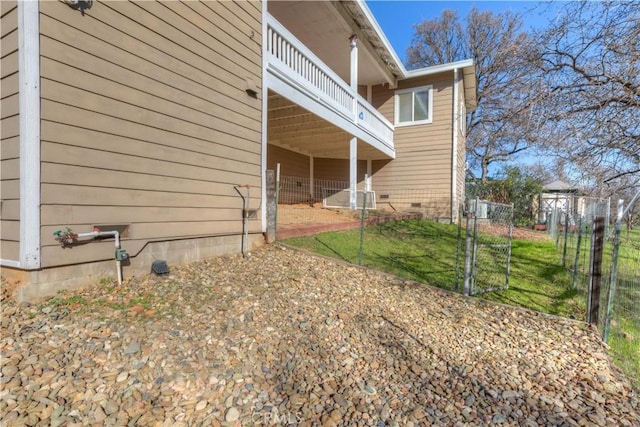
pixel 517 232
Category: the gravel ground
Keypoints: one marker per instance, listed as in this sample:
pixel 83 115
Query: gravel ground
pixel 287 338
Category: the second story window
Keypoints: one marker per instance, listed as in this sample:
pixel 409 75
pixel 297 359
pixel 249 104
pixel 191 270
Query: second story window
pixel 414 106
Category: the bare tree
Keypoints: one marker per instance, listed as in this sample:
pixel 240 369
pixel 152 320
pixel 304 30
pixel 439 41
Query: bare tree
pixel 590 58
pixel 505 122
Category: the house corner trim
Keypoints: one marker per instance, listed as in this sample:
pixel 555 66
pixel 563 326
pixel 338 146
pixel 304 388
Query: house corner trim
pixel 264 118
pixel 29 124
pixel 454 148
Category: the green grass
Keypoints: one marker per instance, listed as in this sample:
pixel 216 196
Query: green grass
pixel 425 251
pixel 624 336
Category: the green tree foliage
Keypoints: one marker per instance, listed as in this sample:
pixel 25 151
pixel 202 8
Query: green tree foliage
pixel 514 186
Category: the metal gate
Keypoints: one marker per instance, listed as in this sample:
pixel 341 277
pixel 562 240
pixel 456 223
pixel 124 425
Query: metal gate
pixel 487 246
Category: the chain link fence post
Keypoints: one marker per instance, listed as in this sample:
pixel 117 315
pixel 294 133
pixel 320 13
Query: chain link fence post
pixel 510 237
pixel 565 237
pixel 576 262
pixel 595 270
pixel 466 286
pixel 363 224
pixel 614 272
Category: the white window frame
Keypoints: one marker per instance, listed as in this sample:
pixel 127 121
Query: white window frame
pixel 413 90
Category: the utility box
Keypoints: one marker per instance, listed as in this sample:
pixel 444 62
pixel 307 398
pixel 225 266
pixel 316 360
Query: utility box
pixel 121 255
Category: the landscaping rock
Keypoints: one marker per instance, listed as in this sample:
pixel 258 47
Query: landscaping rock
pixel 288 338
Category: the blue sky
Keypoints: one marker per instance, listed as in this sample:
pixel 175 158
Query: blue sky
pixel 397 17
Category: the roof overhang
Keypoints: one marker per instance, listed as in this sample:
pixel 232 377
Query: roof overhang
pixel 362 15
pixel 468 70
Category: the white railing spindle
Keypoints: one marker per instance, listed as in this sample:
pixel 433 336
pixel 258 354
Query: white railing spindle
pixel 284 48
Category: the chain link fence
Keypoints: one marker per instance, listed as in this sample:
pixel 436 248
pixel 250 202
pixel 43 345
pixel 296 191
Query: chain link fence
pixel 480 250
pixel 571 230
pixel 306 206
pixel 604 263
pixel 487 247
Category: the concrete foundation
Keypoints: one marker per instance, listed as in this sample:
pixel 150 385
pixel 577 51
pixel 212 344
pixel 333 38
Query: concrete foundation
pixel 40 284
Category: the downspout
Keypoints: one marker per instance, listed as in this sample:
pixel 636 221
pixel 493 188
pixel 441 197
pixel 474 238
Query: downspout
pixel 29 123
pixel 454 160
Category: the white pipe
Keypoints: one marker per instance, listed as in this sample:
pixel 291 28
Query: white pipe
pixel 113 233
pixel 64 237
pixel 116 236
pixel 245 217
pixel 119 271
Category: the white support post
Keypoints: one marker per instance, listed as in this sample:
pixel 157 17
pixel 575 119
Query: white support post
pixel 353 173
pixel 311 183
pixel 29 107
pixel 353 41
pixel 353 145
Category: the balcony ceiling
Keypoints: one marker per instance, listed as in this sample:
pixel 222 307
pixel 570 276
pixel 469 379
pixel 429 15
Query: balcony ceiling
pixel 325 28
pixel 293 128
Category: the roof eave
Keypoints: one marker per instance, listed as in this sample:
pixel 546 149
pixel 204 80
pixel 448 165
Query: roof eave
pixel 398 69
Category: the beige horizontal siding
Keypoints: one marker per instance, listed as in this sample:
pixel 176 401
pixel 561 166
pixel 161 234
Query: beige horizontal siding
pixel 10 169
pixel 141 113
pixel 8 87
pixel 423 152
pixel 165 100
pixel 10 127
pixel 9 64
pixel 93 177
pixel 87 216
pixel 10 38
pixel 163 231
pixel 337 169
pixel 8 6
pixel 10 231
pixel 10 147
pixel 9 131
pixel 291 163
pixel 156 144
pixel 81 161
pixel 10 189
pixel 105 196
pixel 10 105
pixel 146 122
pixel 144 67
pixel 10 250
pixel 11 209
pixel 132 29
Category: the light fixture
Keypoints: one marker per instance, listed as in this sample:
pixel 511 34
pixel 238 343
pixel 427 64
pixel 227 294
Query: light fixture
pixel 353 41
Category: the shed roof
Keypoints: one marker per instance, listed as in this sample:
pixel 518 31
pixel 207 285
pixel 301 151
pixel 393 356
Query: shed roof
pixel 559 185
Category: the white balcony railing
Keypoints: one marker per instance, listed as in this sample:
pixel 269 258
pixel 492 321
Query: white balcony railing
pixel 290 60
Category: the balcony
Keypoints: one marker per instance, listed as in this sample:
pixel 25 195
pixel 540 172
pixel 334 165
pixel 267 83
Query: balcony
pixel 296 73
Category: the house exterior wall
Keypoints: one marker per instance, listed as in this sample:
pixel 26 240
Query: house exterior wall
pixel 291 163
pixel 145 121
pixel 423 161
pixel 298 165
pixel 9 134
pixel 337 169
